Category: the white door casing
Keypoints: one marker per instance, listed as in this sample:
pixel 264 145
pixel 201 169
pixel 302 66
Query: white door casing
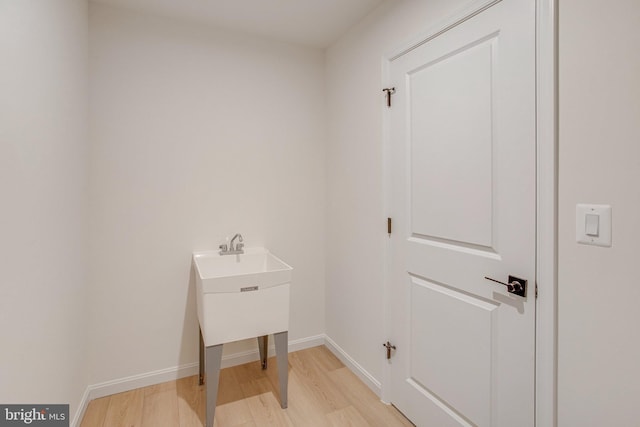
pixel 462 171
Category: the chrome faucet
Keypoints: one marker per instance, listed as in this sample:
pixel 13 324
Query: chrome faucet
pixel 240 244
pixel 233 250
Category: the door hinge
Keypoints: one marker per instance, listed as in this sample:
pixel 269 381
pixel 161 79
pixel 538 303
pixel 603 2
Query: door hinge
pixel 389 347
pixel 389 226
pixel 389 91
pixel 536 290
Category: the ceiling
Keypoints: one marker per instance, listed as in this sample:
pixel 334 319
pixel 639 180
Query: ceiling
pixel 316 23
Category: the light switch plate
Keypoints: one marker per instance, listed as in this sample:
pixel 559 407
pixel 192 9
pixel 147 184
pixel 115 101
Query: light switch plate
pixel 604 224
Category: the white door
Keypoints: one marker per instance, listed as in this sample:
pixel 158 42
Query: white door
pixel 462 160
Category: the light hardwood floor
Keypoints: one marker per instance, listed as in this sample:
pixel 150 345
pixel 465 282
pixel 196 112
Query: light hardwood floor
pixel 322 392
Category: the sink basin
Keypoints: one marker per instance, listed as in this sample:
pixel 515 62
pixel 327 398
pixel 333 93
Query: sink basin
pixel 241 296
pixel 231 273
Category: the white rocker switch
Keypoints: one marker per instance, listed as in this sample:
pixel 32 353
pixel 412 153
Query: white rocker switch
pixel 592 225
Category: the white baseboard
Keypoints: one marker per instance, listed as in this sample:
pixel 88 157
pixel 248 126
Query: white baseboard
pixel 82 407
pixel 308 342
pixel 354 366
pixel 142 380
pixel 243 357
pixel 133 382
pixel 108 388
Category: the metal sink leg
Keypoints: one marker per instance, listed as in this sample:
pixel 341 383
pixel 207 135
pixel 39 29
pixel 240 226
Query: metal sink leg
pixel 282 356
pixel 263 347
pixel 201 366
pixel 213 358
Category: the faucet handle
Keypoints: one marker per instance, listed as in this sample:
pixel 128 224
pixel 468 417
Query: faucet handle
pixel 239 246
pixel 223 248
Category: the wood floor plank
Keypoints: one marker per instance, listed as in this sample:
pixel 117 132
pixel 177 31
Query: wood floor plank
pixel 158 388
pixel 191 402
pixel 160 407
pixel 316 382
pixel 304 410
pixel 233 414
pixel 257 387
pixel 251 371
pixel 324 358
pixel 229 389
pixel 346 417
pixel 266 411
pixel 125 409
pixel 365 401
pixel 96 412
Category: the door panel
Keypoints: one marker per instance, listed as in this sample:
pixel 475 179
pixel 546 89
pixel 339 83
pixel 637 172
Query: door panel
pixel 462 194
pixel 440 337
pixel 442 86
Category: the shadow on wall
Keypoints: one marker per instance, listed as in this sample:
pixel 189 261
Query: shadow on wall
pixel 189 343
pixel 191 396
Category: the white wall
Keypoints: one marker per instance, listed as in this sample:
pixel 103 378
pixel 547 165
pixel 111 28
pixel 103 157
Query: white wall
pixel 599 348
pixel 43 177
pixel 356 218
pixel 196 134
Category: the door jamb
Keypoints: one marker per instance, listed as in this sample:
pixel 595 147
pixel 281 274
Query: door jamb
pixel 547 211
pixel 546 198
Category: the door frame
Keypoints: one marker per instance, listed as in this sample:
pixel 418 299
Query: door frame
pixel 546 197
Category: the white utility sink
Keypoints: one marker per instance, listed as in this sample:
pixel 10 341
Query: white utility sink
pixel 241 296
